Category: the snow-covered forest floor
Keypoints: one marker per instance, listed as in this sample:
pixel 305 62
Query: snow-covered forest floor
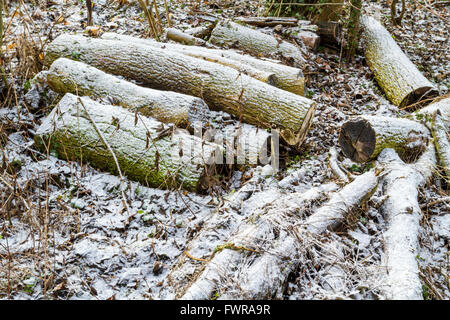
pixel 65 234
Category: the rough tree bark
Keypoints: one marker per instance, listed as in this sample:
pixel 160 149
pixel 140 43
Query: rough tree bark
pixel 426 113
pixel 403 215
pixel 234 35
pixel 147 150
pixel 287 78
pixel 223 88
pixel 78 78
pixel 363 138
pixel 330 32
pixel 274 244
pixel 400 79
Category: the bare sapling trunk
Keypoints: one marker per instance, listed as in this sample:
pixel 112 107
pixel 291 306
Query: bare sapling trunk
pixel 441 141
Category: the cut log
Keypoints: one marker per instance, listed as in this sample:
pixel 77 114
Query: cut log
pixel 403 216
pixel 399 78
pixel 145 149
pixel 287 78
pixel 221 87
pixel 78 78
pixel 184 38
pixel 269 21
pixel 363 138
pixel 234 35
pixel 440 136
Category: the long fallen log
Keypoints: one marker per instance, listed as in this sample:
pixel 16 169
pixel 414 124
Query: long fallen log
pixel 332 215
pixel 234 35
pixel 286 78
pixel 403 216
pixel 363 138
pixel 81 79
pixel 221 87
pixel 401 81
pixel 145 149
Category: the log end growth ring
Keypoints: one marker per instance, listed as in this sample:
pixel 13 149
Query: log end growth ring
pixel 357 139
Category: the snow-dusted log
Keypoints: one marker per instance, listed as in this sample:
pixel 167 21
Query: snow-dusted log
pixel 78 78
pixel 440 136
pixel 363 138
pixel 146 150
pixel 233 35
pixel 221 87
pixel 400 79
pixel 287 78
pixel 266 239
pixel 403 216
